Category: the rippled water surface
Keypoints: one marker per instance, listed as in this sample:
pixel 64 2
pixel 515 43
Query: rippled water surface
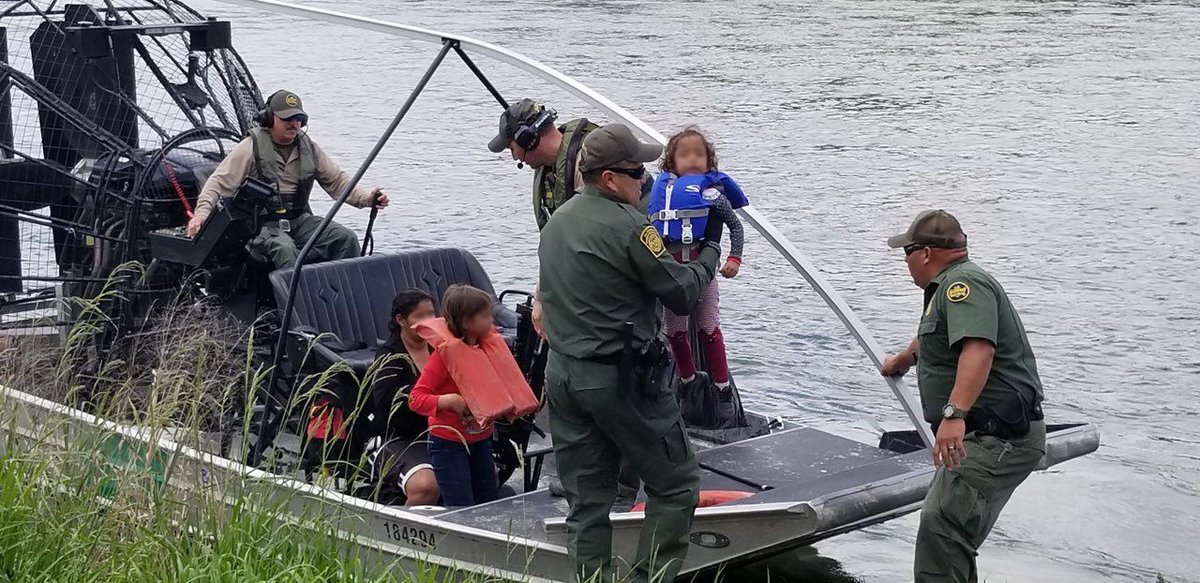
pixel 1064 135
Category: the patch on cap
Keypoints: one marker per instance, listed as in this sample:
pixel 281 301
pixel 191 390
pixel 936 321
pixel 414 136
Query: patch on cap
pixel 958 292
pixel 291 100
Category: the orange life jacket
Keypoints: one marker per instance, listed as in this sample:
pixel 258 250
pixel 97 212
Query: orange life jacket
pixel 487 375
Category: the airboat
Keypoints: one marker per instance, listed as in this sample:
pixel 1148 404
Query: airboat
pixel 112 115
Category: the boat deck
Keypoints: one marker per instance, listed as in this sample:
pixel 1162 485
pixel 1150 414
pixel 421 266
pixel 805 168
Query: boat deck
pixel 793 465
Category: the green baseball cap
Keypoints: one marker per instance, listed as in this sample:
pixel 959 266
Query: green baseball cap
pixel 613 144
pixel 511 119
pixel 286 104
pixel 934 228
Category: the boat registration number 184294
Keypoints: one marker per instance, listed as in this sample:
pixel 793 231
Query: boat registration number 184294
pixel 417 537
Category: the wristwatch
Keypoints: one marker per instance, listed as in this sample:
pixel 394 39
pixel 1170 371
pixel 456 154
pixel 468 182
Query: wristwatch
pixel 952 412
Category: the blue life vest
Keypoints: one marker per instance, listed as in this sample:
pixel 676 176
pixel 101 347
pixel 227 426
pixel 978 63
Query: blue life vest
pixel 678 207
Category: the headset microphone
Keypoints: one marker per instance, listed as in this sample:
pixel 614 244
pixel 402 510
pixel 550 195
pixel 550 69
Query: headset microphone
pixel 520 165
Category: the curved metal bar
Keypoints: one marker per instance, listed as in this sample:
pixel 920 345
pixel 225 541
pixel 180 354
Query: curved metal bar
pixel 756 219
pixel 471 45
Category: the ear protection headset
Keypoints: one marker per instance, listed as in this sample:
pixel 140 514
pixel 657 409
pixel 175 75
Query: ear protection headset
pixel 529 134
pixel 266 118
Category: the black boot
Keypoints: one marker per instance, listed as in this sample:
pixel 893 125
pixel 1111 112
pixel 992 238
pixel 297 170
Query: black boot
pixel 699 381
pixel 725 394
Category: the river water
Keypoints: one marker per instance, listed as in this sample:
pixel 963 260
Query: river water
pixel 1062 134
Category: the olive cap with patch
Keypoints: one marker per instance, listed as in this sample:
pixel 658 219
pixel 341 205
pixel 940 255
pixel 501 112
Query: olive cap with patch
pixel 613 144
pixel 286 104
pixel 934 228
pixel 511 119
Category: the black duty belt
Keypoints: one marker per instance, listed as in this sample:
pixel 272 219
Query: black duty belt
pixel 1006 419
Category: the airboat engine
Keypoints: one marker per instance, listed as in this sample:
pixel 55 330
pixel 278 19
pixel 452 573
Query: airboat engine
pixel 113 113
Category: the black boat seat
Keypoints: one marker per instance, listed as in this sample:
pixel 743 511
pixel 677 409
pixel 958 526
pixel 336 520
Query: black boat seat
pixel 346 303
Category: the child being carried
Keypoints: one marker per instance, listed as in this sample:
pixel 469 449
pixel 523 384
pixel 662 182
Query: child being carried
pixel 688 193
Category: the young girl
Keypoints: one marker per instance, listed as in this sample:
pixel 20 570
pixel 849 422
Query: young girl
pixel 470 357
pixel 688 193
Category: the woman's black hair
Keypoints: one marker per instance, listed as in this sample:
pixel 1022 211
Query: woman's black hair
pixel 404 304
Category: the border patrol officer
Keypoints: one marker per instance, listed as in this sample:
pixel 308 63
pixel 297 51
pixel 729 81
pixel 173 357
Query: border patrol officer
pixel 527 130
pixel 604 270
pixel 281 155
pixel 980 390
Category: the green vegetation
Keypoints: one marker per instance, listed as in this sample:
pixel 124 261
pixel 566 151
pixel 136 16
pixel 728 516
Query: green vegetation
pixel 81 504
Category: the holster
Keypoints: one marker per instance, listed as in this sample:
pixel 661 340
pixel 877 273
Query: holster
pixel 645 368
pixel 654 368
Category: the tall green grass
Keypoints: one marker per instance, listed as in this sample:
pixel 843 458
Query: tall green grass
pixel 84 504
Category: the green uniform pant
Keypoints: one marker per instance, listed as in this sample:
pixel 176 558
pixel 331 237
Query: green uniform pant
pixel 963 504
pixel 283 248
pixel 595 423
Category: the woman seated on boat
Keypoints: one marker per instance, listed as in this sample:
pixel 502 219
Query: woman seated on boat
pixel 471 380
pixel 398 448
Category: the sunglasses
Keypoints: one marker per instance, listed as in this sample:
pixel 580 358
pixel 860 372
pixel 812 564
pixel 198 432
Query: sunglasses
pixel 635 173
pixel 299 117
pixel 910 249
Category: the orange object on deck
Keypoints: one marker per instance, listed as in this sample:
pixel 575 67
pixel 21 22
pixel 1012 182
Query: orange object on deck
pixel 487 375
pixel 707 498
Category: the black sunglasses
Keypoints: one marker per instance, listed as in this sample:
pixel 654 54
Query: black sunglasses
pixel 300 117
pixel 634 173
pixel 910 249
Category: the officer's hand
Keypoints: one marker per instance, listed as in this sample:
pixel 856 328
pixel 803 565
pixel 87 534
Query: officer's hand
pixel 948 449
pixel 712 230
pixel 896 365
pixel 379 199
pixel 536 316
pixel 194 225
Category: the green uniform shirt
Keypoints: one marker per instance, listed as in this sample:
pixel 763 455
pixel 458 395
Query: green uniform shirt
pixel 964 301
pixel 550 183
pixel 603 264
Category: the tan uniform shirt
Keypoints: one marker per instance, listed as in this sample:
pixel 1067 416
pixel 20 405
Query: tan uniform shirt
pixel 240 164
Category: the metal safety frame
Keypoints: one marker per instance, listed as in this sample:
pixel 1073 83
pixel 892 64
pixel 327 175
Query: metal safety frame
pixel 273 416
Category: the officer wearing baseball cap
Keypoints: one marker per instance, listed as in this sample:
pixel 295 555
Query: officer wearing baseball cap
pixel 279 153
pixel 604 271
pixel 980 391
pixel 529 132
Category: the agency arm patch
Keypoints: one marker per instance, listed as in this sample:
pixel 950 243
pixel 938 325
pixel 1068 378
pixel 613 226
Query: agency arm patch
pixel 652 241
pixel 958 292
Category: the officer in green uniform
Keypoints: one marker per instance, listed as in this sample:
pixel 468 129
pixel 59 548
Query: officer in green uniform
pixel 529 133
pixel 979 389
pixel 279 153
pixel 604 271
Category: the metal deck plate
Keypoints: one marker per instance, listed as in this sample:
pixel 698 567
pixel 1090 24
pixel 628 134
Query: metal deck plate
pixel 522 515
pixel 788 457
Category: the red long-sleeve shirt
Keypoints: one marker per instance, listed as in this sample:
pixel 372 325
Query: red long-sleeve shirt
pixel 423 399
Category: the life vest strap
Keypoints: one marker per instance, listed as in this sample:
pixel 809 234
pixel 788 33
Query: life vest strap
pixel 673 214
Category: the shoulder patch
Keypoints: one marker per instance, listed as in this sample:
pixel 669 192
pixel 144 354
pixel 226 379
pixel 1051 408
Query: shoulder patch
pixel 958 291
pixel 711 194
pixel 652 241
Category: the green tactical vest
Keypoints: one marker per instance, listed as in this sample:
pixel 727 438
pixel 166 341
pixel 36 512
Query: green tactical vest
pixel 554 186
pixel 293 203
